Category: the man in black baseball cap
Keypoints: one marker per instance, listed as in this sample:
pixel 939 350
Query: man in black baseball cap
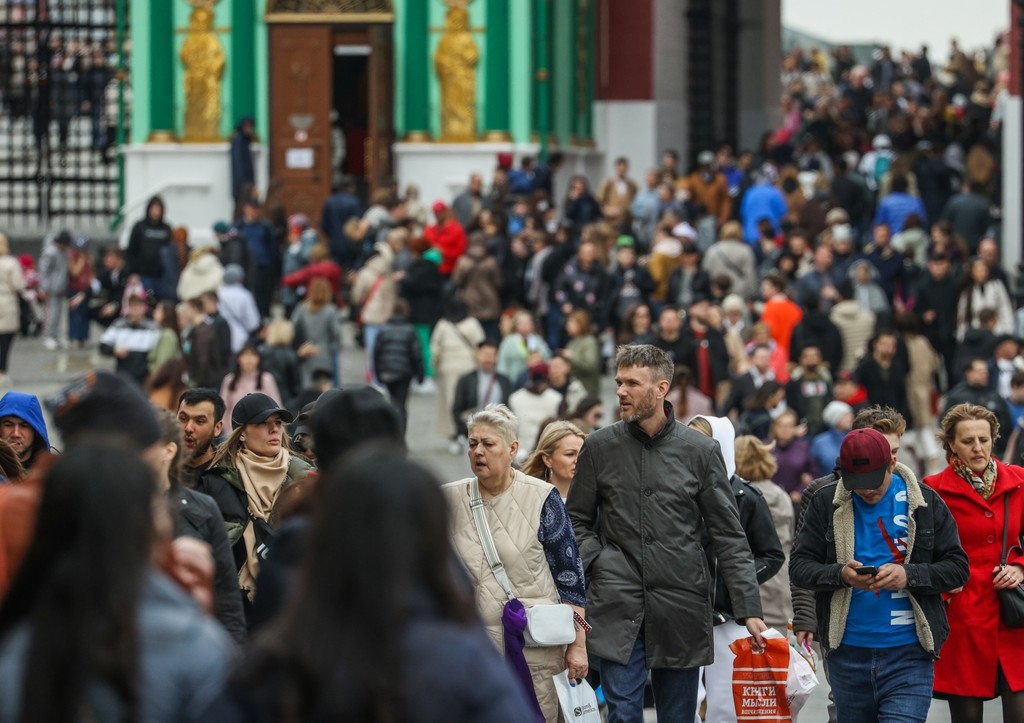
pixel 878 584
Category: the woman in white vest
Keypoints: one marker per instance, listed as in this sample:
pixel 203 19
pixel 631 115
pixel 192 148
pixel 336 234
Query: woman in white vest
pixel 533 539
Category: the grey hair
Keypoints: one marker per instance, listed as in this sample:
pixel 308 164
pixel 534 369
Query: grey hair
pixel 500 418
pixel 647 356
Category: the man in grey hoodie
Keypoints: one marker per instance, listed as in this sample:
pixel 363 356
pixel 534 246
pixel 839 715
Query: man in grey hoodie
pixel 53 286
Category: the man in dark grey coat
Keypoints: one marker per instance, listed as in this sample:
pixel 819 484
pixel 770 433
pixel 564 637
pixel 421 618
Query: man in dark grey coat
pixel 655 485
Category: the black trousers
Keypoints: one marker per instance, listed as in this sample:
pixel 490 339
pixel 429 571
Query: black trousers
pixel 399 392
pixel 6 340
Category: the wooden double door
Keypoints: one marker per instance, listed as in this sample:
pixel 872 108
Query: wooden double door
pixel 325 79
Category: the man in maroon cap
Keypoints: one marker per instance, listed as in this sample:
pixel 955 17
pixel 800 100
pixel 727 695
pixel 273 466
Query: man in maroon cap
pixel 447 236
pixel 878 549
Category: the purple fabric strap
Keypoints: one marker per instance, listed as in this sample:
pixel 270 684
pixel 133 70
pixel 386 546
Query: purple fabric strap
pixel 513 624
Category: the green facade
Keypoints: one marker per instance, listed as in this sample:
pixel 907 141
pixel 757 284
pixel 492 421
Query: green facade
pixel 511 98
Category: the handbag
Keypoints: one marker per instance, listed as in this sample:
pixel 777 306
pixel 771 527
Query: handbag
pixel 546 625
pixel 1011 601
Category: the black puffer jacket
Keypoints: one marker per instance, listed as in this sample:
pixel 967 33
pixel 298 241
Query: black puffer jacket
pixel 197 516
pixel 816 328
pixel 756 519
pixel 397 353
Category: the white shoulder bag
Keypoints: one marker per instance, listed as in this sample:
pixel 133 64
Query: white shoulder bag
pixel 546 625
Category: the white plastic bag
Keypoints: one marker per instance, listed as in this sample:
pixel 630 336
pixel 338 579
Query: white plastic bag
pixel 802 679
pixel 578 700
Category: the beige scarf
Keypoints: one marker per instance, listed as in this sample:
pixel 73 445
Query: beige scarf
pixel 262 478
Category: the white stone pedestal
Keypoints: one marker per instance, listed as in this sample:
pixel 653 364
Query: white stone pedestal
pixel 442 170
pixel 194 180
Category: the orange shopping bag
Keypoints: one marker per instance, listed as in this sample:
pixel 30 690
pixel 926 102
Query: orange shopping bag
pixel 759 681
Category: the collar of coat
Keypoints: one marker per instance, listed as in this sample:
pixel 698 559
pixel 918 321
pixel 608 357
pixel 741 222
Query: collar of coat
pixel 843 530
pixel 640 433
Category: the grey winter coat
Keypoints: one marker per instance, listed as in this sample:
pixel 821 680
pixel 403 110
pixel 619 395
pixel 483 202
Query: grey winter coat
pixel 53 269
pixel 654 496
pixel 184 658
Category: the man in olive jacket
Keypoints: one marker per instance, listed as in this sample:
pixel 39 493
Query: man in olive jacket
pixel 655 485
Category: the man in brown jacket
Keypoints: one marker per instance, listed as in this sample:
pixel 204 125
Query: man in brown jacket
pixel 709 188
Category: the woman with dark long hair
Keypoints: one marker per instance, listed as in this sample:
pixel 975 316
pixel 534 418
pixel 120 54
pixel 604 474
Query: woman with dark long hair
pixel 89 629
pixel 168 344
pixel 376 632
pixel 247 377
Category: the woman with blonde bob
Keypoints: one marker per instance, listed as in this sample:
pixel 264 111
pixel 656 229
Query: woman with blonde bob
pixel 755 463
pixel 981 658
pixel 534 541
pixel 554 458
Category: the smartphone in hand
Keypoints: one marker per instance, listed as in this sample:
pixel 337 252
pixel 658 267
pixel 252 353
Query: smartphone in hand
pixel 866 570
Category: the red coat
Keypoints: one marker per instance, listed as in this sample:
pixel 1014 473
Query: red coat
pixel 327 269
pixel 450 240
pixel 977 638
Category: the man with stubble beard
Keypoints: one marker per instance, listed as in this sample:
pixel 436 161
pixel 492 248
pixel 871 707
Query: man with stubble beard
pixel 201 416
pixel 645 490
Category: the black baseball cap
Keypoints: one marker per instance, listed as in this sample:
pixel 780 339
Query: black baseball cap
pixel 257 408
pixel 864 458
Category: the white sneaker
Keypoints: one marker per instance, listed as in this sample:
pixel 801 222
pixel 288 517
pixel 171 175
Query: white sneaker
pixel 50 344
pixel 427 387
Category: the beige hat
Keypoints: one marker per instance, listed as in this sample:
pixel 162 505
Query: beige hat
pixel 200 275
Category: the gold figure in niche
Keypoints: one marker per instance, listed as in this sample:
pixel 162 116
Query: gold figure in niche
pixel 455 64
pixel 203 58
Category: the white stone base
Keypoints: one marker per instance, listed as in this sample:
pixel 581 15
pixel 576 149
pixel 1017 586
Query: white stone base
pixel 442 170
pixel 194 180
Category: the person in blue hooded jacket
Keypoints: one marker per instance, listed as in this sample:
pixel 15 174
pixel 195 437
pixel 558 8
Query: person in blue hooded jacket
pixel 22 426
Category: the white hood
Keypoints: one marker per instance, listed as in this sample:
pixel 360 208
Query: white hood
pixel 725 434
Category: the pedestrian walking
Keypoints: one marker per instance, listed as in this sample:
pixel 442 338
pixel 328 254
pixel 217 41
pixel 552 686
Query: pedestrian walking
pixel 880 610
pixel 398 358
pixel 653 618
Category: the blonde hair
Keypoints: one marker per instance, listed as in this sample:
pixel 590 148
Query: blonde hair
pixel 964 413
pixel 499 418
pixel 549 439
pixel 754 459
pixel 731 230
pixel 280 332
pixel 5 245
pixel 701 425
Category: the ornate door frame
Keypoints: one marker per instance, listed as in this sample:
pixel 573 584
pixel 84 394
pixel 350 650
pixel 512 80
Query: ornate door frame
pixel 373 21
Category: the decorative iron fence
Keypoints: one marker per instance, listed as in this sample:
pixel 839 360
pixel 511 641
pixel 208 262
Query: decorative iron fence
pixel 60 113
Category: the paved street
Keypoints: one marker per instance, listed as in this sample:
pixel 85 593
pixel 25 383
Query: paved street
pixel 43 373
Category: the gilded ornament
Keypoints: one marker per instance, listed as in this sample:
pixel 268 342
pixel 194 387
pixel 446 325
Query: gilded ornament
pixel 455 62
pixel 203 59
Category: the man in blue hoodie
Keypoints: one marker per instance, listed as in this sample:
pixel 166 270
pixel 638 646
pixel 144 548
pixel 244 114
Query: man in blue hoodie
pixel 22 426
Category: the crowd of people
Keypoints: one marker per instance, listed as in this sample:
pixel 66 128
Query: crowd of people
pixel 786 327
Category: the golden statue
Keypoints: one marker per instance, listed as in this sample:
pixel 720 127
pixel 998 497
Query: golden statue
pixel 203 58
pixel 455 64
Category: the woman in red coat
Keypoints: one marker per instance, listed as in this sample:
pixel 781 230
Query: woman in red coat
pixel 982 658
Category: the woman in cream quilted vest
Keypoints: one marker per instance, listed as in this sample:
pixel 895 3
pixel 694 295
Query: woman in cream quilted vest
pixel 533 539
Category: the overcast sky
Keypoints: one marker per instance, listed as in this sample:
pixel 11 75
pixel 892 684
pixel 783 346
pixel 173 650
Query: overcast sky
pixel 904 24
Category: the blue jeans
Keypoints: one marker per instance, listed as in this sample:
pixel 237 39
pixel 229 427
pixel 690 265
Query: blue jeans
pixel 888 685
pixel 675 691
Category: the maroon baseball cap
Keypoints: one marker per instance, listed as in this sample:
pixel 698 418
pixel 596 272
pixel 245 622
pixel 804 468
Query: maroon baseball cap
pixel 864 458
